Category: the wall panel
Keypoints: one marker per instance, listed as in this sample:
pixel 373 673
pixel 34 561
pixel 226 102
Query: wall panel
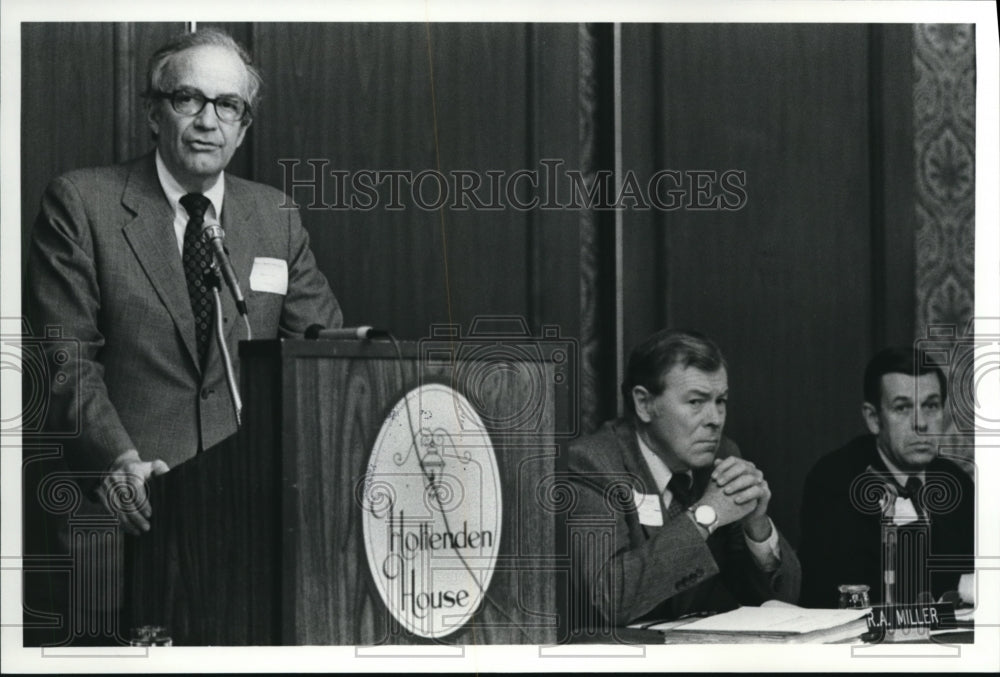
pixel 133 45
pixel 71 120
pixel 784 283
pixel 406 97
pixel 66 122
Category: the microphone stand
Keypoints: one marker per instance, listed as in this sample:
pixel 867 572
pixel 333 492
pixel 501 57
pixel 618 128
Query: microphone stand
pixel 216 284
pixel 890 545
pixel 889 536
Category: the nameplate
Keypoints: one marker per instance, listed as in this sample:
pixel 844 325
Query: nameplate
pixel 904 616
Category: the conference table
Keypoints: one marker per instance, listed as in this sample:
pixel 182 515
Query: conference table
pixel 760 625
pixel 652 637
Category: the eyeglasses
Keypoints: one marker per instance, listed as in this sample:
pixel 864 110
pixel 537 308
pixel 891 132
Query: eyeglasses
pixel 191 102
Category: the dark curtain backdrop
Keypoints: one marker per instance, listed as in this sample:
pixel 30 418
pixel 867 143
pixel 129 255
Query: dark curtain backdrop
pixel 799 286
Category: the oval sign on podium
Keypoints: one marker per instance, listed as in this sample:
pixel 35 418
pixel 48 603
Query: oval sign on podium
pixel 432 511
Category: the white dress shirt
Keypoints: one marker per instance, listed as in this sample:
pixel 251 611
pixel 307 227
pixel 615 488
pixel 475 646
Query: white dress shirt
pixel 903 509
pixel 174 192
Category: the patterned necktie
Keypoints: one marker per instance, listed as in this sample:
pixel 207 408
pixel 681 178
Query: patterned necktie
pixel 681 490
pixel 197 259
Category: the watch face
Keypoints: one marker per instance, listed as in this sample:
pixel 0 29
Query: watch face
pixel 705 515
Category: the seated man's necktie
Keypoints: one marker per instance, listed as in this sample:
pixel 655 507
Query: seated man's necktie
pixel 681 489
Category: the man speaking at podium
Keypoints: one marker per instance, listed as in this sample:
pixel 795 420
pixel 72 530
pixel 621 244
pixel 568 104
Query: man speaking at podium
pixel 117 263
pixel 686 516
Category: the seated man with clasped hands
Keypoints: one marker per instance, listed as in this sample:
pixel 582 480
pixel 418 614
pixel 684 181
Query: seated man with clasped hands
pixel 679 518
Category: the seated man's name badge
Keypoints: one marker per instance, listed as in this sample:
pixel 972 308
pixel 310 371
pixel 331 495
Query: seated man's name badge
pixel 648 507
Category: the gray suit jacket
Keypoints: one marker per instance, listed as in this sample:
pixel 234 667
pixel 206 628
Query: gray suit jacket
pixel 105 274
pixel 625 571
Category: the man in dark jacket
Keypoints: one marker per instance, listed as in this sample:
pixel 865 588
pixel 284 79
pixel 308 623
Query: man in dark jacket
pixel 890 487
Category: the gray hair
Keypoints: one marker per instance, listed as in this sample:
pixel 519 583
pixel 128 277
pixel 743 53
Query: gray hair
pixel 201 38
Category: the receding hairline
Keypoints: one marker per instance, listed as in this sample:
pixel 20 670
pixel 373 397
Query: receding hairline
pixel 684 366
pixel 165 69
pixel 884 394
pixel 207 37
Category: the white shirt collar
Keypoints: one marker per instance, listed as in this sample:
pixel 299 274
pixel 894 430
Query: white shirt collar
pixel 659 470
pixel 898 474
pixel 174 191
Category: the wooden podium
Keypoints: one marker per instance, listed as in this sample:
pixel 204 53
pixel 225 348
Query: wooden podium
pixel 258 541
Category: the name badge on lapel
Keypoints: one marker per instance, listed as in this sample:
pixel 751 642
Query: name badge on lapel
pixel 269 275
pixel 648 507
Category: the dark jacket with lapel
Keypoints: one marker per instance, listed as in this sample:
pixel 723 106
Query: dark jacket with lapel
pixel 842 524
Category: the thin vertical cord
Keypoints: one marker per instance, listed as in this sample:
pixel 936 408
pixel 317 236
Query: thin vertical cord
pixel 226 361
pixel 430 482
pixel 437 162
pixel 619 272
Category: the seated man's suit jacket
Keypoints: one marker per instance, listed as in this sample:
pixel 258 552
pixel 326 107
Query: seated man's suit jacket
pixel 626 571
pixel 842 525
pixel 105 270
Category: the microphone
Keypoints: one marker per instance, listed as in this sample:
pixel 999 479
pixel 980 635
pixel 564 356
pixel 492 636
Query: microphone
pixel 889 533
pixel 213 234
pixel 318 331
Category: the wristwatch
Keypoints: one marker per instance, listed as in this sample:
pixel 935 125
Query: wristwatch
pixel 705 516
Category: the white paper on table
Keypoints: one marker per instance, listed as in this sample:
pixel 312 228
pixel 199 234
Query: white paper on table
pixel 774 618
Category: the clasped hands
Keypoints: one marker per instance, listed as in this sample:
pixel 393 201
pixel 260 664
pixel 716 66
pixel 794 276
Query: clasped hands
pixel 738 491
pixel 123 490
